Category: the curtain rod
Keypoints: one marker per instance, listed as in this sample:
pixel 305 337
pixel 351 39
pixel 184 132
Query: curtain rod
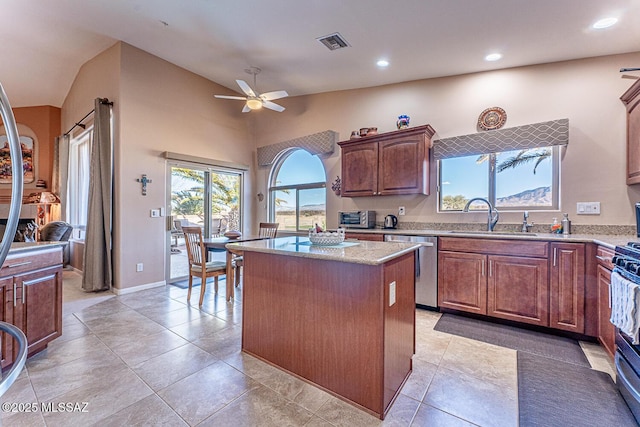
pixel 80 124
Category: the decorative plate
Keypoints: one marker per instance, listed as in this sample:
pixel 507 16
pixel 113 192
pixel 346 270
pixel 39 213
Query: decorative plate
pixel 492 118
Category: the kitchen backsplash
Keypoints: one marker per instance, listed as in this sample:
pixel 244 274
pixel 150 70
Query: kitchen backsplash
pixel 537 228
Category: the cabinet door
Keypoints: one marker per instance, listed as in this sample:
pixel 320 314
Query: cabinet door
pixel 566 293
pixel 462 284
pixel 39 309
pixel 6 315
pixel 517 289
pixel 403 166
pixel 631 98
pixel 359 170
pixel 364 236
pixel 606 330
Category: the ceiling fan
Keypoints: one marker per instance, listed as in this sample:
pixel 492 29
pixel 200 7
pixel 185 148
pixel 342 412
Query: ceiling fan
pixel 255 100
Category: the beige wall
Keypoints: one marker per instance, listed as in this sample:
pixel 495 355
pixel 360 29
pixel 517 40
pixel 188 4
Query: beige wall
pixel 158 107
pixel 585 91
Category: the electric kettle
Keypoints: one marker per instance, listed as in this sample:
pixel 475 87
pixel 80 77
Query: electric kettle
pixel 390 221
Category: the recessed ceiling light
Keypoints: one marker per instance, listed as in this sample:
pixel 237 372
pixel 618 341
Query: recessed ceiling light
pixel 382 63
pixel 493 57
pixel 604 23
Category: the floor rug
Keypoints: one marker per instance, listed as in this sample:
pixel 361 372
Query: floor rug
pixel 553 393
pixel 184 284
pixel 539 343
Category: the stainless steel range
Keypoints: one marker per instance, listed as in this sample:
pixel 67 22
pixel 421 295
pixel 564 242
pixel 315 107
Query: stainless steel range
pixel 627 358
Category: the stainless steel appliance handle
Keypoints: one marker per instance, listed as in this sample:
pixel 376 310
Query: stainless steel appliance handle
pixel 15 152
pixel 426 244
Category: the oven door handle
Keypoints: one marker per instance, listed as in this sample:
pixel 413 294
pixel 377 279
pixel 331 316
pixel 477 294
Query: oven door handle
pixel 625 381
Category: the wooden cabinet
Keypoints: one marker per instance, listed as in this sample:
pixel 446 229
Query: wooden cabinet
pixel 373 237
pixel 606 330
pixel 31 292
pixel 499 278
pixel 631 99
pixel 566 291
pixel 387 164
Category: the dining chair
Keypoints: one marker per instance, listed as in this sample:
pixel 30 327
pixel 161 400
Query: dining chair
pixel 198 265
pixel 266 230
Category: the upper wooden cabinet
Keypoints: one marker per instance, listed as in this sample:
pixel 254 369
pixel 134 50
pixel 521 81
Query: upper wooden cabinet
pixel 386 164
pixel 631 99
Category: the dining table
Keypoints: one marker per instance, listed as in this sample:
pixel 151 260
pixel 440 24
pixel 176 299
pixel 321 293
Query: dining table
pixel 219 244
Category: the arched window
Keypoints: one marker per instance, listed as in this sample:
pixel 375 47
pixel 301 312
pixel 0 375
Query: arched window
pixel 297 191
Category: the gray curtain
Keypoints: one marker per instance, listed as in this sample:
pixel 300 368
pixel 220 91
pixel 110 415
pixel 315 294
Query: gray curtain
pixel 97 267
pixel 59 180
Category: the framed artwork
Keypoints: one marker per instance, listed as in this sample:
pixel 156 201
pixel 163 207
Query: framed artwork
pixel 28 169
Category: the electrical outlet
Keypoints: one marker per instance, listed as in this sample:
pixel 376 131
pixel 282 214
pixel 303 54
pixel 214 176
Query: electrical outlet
pixel 401 210
pixel 588 208
pixel 139 267
pixel 392 293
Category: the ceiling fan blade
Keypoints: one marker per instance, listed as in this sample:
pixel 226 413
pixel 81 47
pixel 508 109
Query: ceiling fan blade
pixel 246 109
pixel 277 94
pixel 245 88
pixel 273 106
pixel 241 98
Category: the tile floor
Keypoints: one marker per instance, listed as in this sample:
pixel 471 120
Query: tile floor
pixel 149 358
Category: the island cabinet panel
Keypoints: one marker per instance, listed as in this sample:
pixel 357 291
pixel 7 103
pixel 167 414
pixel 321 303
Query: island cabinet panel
pixel 330 323
pixel 462 282
pixel 387 164
pixel 517 289
pixel 567 287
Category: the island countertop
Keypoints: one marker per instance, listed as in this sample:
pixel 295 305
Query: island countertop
pixel 357 252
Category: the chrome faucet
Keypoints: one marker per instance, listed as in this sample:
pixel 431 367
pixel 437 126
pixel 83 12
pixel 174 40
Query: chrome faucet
pixel 525 224
pixel 492 220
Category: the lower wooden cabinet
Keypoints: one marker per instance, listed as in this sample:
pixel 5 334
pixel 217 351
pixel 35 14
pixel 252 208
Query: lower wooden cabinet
pixel 566 292
pixel 32 299
pixel 517 289
pixel 606 330
pixel 539 283
pixel 374 237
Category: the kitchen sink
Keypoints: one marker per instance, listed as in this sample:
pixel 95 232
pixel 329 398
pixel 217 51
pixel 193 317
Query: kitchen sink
pixel 493 233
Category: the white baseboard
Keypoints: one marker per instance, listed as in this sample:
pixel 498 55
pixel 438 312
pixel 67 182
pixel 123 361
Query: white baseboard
pixel 124 291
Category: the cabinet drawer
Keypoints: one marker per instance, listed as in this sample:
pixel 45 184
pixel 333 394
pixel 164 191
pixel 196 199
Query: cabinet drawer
pixel 364 236
pixel 603 256
pixel 494 246
pixel 29 261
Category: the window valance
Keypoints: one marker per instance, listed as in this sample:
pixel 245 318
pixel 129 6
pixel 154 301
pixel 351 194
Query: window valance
pixel 545 134
pixel 318 143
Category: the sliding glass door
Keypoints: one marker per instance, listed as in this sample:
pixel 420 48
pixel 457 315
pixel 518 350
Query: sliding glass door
pixel 201 196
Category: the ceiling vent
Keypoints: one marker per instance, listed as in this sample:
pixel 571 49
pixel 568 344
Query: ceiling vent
pixel 333 41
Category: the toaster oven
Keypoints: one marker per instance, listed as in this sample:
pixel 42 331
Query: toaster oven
pixel 357 219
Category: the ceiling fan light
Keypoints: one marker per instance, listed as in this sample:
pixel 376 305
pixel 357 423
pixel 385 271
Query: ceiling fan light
pixel 254 104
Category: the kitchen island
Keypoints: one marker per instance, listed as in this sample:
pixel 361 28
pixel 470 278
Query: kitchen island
pixel 341 317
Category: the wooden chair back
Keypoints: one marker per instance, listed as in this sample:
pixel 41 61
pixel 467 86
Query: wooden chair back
pixel 268 229
pixel 195 247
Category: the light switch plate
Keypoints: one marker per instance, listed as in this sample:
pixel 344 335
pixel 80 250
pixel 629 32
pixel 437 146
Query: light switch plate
pixel 155 213
pixel 588 208
pixel 392 293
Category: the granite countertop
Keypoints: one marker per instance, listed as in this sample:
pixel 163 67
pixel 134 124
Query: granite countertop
pixel 357 252
pixel 608 240
pixel 22 247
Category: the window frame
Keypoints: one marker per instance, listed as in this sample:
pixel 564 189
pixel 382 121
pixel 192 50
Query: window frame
pixel 272 189
pixel 492 179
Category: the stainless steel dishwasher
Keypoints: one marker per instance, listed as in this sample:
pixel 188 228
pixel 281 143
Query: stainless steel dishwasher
pixel 426 268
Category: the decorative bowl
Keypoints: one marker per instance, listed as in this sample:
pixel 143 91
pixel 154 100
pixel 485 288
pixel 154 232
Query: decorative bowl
pixel 372 131
pixel 326 238
pixel 232 234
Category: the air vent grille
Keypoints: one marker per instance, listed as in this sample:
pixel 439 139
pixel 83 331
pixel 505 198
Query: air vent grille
pixel 333 41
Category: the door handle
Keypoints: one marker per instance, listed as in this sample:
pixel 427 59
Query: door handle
pixel 482 268
pixel 555 256
pixel 490 269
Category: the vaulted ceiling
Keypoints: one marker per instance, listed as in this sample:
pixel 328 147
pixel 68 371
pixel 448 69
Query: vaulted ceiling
pixel 44 43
